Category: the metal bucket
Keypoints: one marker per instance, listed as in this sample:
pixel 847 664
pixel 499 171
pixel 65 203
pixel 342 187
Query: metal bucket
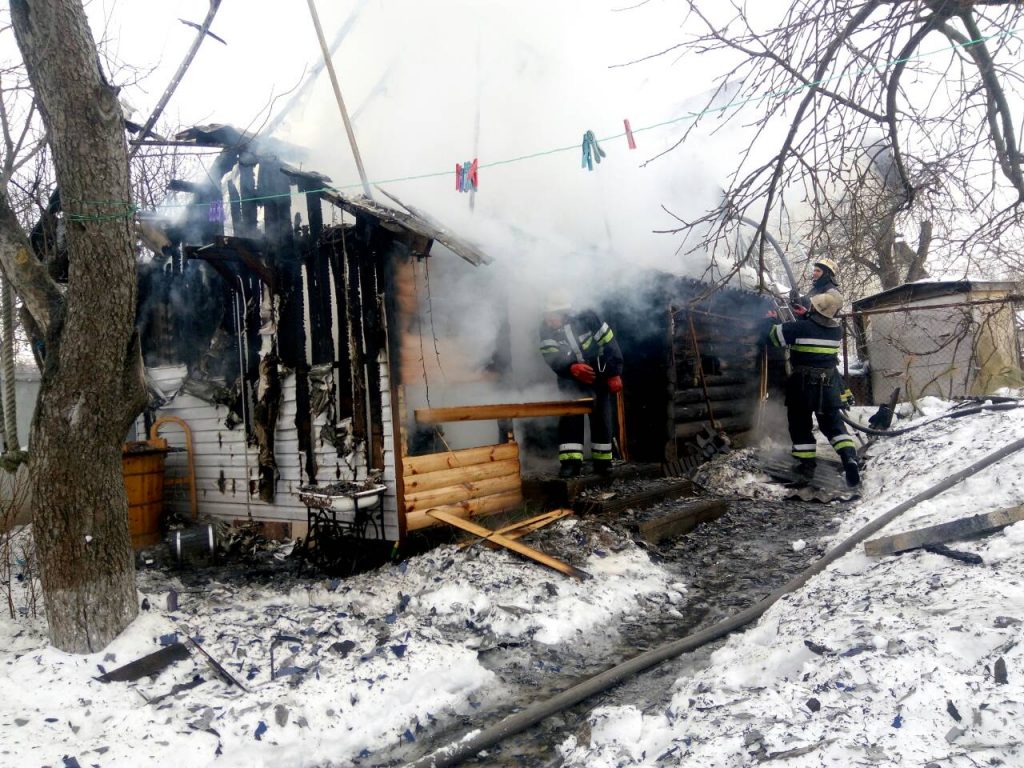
pixel 193 545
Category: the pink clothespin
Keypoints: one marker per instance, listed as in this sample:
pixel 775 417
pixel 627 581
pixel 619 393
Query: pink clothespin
pixel 629 135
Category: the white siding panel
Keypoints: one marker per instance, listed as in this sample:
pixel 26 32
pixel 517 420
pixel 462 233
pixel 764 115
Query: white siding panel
pixel 225 466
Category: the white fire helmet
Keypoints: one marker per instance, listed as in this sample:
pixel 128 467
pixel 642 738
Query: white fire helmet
pixel 827 264
pixel 557 301
pixel 827 304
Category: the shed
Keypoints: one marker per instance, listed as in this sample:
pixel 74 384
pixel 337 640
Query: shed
pixel 943 338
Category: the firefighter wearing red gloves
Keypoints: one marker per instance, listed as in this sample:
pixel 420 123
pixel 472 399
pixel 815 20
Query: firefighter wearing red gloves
pixel 582 350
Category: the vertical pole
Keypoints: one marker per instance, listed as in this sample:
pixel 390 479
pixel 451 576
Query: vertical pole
pixel 337 95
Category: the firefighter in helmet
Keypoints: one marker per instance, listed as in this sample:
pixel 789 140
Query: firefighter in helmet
pixel 582 350
pixel 814 386
pixel 824 281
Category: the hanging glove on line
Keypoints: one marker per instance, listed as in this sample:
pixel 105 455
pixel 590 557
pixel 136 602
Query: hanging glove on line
pixel 582 373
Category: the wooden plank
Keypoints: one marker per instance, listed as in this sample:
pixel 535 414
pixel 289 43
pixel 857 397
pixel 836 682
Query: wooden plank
pixel 448 477
pixel 504 411
pixel 453 494
pixel 433 462
pixel 472 508
pixel 682 521
pixel 504 541
pixel 523 527
pixel 965 527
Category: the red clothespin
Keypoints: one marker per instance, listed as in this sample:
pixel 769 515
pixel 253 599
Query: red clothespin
pixel 458 177
pixel 473 180
pixel 629 135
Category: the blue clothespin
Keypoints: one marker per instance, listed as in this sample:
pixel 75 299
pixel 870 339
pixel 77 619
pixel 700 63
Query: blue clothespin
pixel 592 151
pixel 217 211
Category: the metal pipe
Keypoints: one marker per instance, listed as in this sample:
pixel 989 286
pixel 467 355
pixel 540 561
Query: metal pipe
pixel 455 753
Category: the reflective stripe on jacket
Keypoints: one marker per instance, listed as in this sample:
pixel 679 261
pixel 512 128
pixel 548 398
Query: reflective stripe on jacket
pixel 583 338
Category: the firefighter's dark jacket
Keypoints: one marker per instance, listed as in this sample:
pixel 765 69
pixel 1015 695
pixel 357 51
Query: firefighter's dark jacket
pixel 582 338
pixel 813 344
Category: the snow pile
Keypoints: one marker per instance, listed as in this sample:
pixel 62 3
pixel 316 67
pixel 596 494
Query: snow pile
pixel 912 659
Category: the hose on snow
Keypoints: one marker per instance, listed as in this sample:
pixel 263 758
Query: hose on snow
pixel 455 753
pixel 1006 405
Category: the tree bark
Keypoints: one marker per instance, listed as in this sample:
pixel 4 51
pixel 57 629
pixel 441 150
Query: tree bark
pixel 92 385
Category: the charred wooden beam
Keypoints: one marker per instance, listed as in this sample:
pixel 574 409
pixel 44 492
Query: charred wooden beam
pixel 504 411
pixel 639 500
pixel 696 394
pixel 700 411
pixel 681 521
pixel 729 424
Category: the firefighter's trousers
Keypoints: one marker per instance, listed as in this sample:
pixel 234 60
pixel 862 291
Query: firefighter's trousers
pixel 570 428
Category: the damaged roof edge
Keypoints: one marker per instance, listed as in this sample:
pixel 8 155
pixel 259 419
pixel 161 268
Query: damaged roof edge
pixel 415 220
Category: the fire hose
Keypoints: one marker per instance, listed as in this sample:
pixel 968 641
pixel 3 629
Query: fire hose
pixel 455 753
pixel 1007 405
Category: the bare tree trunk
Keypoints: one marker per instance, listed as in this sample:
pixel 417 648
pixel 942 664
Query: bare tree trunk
pixel 91 385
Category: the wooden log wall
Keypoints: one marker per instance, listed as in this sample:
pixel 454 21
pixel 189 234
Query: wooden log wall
pixel 717 353
pixel 665 400
pixel 469 483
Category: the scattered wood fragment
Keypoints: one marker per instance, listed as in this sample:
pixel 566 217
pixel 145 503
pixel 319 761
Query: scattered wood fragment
pixel 682 521
pixel 150 664
pixel 954 554
pixel 966 527
pixel 214 664
pixel 522 527
pixel 506 542
pixel 504 411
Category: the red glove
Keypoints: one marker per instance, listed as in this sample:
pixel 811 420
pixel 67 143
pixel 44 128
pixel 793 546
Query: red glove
pixel 772 314
pixel 615 384
pixel 582 372
pixel 799 310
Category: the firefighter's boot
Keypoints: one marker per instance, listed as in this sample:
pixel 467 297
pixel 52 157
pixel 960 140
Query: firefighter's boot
pixel 851 467
pixel 570 468
pixel 603 467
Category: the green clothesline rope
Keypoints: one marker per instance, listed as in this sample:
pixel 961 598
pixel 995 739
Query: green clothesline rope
pixel 130 209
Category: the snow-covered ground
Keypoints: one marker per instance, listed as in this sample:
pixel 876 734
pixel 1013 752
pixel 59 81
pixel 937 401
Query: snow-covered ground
pixel 908 660
pixel 877 661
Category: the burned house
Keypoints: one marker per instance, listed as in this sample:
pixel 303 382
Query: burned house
pixel 283 322
pixel 280 344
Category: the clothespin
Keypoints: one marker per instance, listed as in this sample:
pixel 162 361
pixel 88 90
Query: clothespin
pixel 629 135
pixel 216 211
pixel 592 151
pixel 466 178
